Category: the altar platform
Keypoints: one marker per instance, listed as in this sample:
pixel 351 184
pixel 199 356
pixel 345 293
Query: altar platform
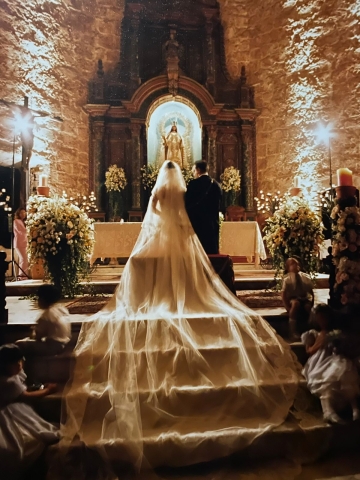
pixel 105 278
pixel 238 239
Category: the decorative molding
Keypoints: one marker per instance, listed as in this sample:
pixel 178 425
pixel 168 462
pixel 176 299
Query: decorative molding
pixel 161 82
pixel 96 110
pixel 249 114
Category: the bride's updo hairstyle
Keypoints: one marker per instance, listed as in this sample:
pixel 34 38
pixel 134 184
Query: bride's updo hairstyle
pixel 170 165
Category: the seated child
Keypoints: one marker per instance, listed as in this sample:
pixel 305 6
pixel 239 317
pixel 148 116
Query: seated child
pixel 23 434
pixel 329 374
pixel 297 295
pixel 52 330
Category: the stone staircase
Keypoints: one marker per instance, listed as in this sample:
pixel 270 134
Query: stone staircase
pixel 303 436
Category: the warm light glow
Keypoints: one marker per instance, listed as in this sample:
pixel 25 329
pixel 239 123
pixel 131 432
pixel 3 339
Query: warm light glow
pixel 84 202
pixel 324 132
pixel 22 123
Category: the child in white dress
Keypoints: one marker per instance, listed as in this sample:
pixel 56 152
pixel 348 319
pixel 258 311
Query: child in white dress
pixel 23 434
pixel 52 331
pixel 329 374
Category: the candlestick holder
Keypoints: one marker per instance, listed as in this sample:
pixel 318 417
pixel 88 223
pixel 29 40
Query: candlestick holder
pixel 43 191
pixel 295 191
pixel 345 191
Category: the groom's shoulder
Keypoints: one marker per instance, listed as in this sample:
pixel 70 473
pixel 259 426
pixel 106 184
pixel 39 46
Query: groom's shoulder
pixel 191 183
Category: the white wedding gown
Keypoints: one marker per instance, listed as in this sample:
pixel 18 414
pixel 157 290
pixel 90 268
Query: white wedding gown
pixel 175 370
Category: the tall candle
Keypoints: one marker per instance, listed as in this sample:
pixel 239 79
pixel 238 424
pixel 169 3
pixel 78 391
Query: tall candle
pixel 297 181
pixel 344 177
pixel 43 181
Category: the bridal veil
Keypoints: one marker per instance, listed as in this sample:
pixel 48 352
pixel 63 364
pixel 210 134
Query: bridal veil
pixel 175 369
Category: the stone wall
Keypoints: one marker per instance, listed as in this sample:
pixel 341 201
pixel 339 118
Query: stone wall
pixel 303 57
pixel 49 50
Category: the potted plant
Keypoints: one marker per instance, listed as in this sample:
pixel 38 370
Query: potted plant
pixel 61 239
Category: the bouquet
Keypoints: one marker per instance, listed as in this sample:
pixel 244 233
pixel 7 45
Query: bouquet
pixel 62 236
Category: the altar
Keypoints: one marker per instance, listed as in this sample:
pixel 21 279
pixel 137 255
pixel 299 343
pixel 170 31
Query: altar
pixel 238 239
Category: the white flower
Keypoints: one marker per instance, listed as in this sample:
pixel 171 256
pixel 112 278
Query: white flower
pixel 230 179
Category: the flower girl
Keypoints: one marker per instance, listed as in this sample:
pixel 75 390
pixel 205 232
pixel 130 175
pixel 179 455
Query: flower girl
pixel 329 374
pixel 23 434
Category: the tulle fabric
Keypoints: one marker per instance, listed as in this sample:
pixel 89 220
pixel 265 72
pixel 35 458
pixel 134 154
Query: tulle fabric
pixel 175 369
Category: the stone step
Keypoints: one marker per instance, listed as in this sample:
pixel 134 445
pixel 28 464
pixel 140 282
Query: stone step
pixel 242 399
pixel 304 440
pixel 59 368
pixel 11 332
pixel 108 286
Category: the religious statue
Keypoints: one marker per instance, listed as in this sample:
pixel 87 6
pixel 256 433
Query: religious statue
pixel 172 56
pixel 174 147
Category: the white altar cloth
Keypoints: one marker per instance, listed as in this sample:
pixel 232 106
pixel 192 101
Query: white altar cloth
pixel 238 239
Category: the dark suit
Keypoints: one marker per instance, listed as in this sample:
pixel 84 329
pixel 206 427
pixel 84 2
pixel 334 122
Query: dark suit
pixel 202 202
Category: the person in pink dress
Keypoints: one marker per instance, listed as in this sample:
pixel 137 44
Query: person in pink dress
pixel 20 242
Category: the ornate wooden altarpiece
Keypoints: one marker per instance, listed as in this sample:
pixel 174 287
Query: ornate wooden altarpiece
pixel 171 49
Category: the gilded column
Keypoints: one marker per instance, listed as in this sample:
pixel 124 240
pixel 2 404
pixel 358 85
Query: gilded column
pixel 97 159
pixel 135 165
pixel 211 147
pixel 249 165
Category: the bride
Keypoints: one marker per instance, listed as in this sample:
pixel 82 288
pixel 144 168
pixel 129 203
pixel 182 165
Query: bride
pixel 175 369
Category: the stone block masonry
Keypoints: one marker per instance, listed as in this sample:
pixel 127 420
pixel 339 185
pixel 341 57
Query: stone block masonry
pixel 303 57
pixel 49 52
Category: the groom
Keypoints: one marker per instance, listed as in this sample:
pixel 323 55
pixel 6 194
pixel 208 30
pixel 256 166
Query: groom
pixel 202 201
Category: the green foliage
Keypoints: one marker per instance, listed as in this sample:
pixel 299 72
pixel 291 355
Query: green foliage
pixel 294 231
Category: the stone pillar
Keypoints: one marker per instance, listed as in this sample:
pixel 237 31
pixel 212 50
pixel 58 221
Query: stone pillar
pixel 249 165
pixel 134 50
pixel 211 149
pixel 210 60
pixel 97 159
pixel 135 166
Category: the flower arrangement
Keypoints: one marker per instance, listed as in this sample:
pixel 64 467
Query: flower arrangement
pixel 149 174
pixel 294 231
pixel 187 174
pixel 62 236
pixel 231 183
pixel 115 183
pixel 346 253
